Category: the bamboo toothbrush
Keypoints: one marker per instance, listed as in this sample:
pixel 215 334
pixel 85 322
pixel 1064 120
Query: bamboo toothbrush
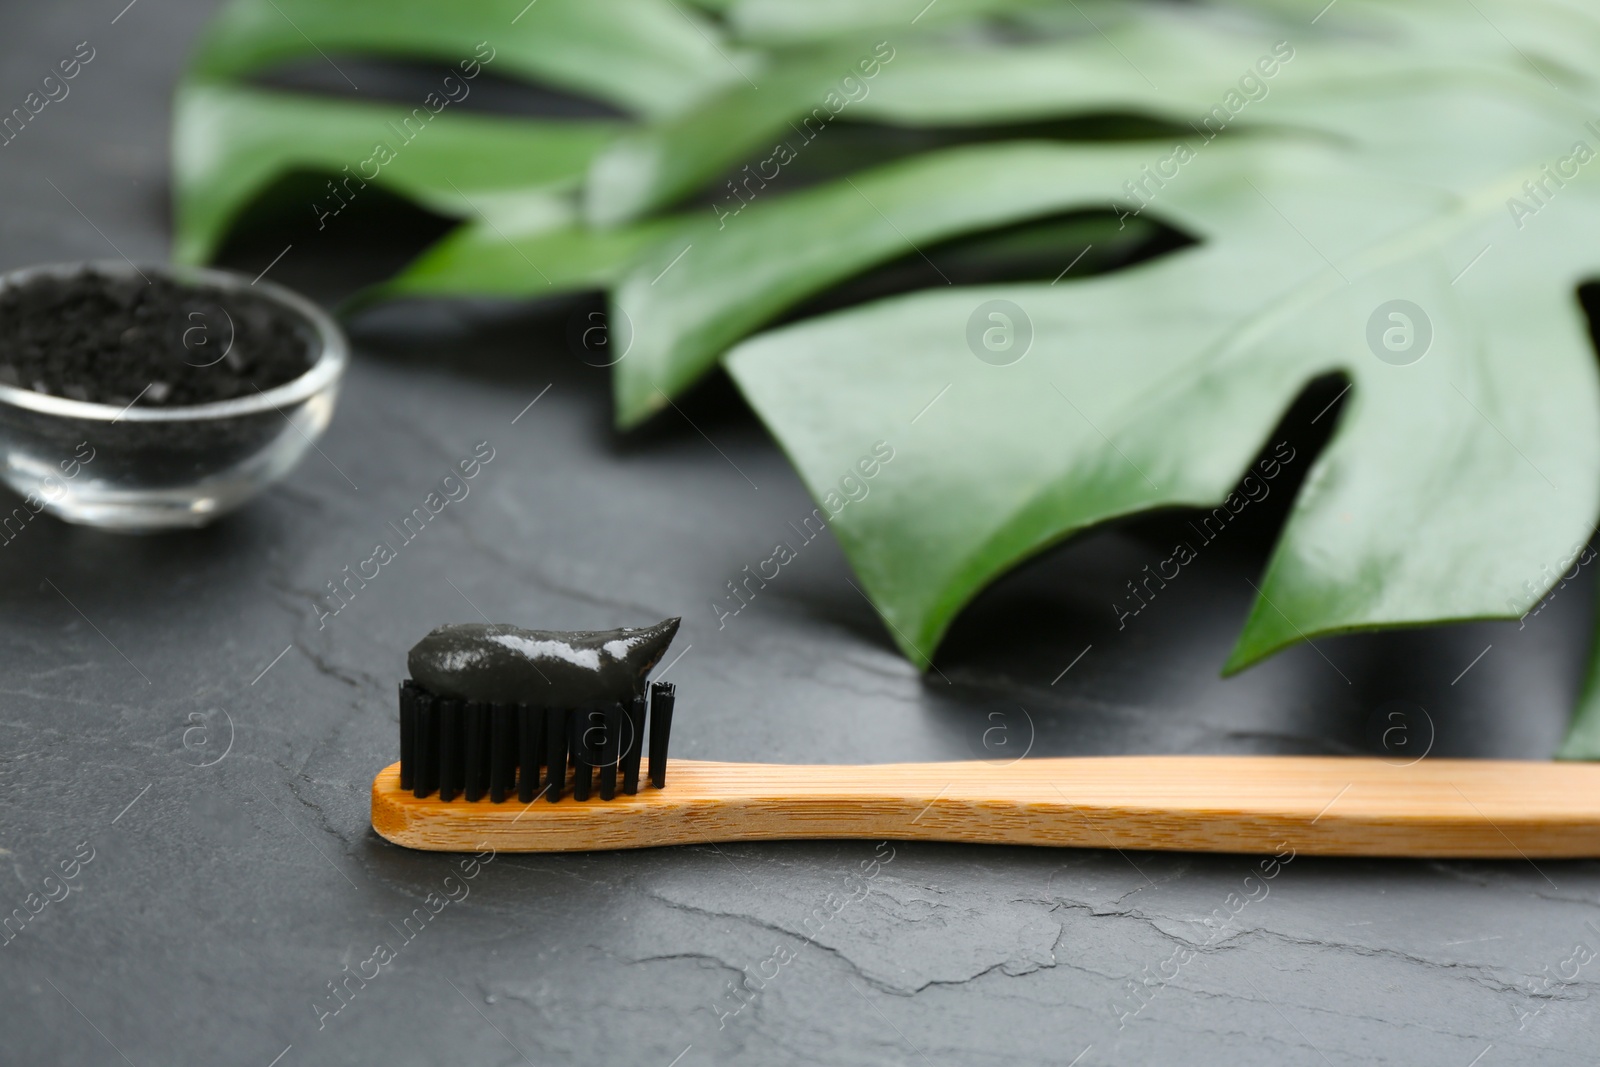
pixel 481 764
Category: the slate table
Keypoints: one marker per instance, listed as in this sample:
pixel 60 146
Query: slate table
pixel 174 707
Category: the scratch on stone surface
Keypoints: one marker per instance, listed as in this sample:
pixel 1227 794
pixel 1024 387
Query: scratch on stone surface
pixel 1013 965
pixel 1472 972
pixel 1337 1013
pixel 1240 938
pixel 1508 883
pixel 694 957
pixel 775 928
pixel 356 679
pixel 324 820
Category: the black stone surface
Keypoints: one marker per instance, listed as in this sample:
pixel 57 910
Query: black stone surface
pixel 174 704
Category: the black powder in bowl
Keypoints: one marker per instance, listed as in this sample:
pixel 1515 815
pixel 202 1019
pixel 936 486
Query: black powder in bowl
pixel 118 340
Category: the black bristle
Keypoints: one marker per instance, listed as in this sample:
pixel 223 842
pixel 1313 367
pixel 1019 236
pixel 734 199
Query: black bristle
pixel 408 731
pixel 530 738
pixel 485 759
pixel 473 749
pixel 449 762
pixel 634 745
pixel 582 732
pixel 508 757
pixel 477 751
pixel 555 751
pixel 610 753
pixel 662 696
pixel 426 778
pixel 502 750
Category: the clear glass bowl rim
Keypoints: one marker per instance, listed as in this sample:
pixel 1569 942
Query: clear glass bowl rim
pixel 329 360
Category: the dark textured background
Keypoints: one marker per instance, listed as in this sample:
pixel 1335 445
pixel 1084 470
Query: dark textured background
pixel 220 903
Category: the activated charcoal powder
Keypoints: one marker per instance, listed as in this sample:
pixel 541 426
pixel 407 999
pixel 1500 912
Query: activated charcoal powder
pixel 156 343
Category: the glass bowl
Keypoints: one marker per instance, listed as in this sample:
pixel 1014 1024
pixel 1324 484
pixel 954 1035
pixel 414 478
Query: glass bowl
pixel 141 469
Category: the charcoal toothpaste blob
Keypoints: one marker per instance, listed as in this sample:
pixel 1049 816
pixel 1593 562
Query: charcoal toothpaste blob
pixel 498 711
pixel 496 663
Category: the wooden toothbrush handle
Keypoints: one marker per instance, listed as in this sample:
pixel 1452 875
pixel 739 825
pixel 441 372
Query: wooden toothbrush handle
pixel 1320 805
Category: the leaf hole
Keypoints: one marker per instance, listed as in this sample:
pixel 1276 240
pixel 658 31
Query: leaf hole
pixel 1064 246
pixel 1589 301
pixel 1059 599
pixel 839 147
pixel 338 245
pixel 1304 431
pixel 407 83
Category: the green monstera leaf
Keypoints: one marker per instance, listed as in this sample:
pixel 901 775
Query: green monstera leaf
pixel 647 56
pixel 231 143
pixel 1437 272
pixel 1467 459
pixel 874 64
pixel 1219 79
pixel 232 140
pixel 912 80
pixel 714 281
pixel 529 250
